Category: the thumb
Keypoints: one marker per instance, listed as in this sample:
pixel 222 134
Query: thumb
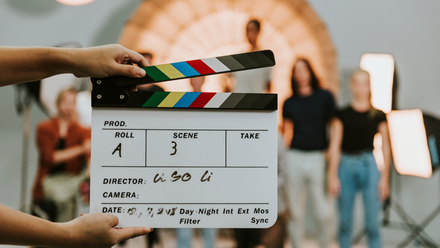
pixel 131 232
pixel 129 71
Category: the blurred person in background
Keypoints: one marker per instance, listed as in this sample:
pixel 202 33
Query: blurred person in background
pixel 64 152
pixel 257 80
pixel 306 115
pixel 251 81
pixel 352 166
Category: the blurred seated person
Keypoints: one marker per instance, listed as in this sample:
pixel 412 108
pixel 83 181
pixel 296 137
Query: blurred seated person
pixel 64 152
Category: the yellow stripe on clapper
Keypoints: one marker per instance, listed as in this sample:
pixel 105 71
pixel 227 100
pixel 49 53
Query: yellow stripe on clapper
pixel 171 100
pixel 170 71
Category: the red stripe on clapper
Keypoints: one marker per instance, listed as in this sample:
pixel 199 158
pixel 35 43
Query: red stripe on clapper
pixel 200 67
pixel 202 100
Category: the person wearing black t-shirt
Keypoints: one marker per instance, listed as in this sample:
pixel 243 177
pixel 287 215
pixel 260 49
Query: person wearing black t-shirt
pixel 305 118
pixel 352 166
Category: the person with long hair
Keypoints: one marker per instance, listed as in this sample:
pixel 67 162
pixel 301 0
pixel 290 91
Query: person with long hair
pixel 306 115
pixel 352 166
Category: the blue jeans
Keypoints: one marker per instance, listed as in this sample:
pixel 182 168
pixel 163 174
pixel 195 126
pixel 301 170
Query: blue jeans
pixel 359 172
pixel 185 235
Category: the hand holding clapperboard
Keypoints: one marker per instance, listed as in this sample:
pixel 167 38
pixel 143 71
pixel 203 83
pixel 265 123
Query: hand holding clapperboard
pixel 185 159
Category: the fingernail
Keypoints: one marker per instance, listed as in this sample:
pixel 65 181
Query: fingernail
pixel 141 73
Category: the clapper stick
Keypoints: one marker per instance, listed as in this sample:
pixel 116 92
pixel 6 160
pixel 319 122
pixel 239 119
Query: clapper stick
pixel 107 92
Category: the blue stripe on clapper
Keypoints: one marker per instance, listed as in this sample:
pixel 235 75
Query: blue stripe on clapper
pixel 186 100
pixel 185 69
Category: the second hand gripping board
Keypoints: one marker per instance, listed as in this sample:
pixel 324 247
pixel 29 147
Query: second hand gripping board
pixel 185 159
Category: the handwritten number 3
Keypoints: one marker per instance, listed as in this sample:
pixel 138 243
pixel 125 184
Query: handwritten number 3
pixel 174 147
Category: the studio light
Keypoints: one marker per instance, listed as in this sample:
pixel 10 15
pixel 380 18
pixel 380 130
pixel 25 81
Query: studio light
pixel 381 69
pixel 75 2
pixel 410 145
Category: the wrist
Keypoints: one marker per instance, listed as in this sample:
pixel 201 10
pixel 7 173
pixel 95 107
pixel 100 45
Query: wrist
pixel 58 234
pixel 65 235
pixel 66 58
pixel 332 175
pixel 384 178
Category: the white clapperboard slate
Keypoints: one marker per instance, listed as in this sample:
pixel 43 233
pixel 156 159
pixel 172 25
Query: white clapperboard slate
pixel 185 159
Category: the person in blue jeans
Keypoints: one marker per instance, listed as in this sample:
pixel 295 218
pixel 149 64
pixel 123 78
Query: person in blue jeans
pixel 352 166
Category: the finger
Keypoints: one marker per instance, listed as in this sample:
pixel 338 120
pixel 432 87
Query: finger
pixel 126 59
pixel 137 59
pixel 114 221
pixel 129 71
pixel 131 232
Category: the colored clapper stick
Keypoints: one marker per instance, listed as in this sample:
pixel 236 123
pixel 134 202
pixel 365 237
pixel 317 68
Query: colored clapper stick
pixel 110 91
pixel 201 67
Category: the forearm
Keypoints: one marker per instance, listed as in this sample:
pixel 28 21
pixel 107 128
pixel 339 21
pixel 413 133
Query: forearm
pixel 333 163
pixel 26 64
pixel 386 150
pixel 334 152
pixel 23 64
pixel 287 132
pixel 60 156
pixel 17 228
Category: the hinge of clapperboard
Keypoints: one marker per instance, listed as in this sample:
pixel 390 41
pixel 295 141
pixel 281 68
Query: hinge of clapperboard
pixel 111 91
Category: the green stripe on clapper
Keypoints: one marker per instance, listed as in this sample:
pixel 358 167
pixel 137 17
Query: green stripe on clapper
pixel 155 99
pixel 155 73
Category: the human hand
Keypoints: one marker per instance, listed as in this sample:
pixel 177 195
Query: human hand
pixel 334 186
pixel 383 188
pixel 106 61
pixel 98 230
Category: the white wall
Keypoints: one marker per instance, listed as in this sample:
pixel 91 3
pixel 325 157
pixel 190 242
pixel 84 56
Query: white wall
pixel 408 29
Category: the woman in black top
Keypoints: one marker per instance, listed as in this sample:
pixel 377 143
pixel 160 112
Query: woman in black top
pixel 306 115
pixel 352 165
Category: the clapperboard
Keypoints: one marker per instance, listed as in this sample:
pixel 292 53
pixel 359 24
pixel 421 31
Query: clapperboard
pixel 185 159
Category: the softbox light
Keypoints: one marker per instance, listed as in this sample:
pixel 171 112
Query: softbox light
pixel 409 141
pixel 381 68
